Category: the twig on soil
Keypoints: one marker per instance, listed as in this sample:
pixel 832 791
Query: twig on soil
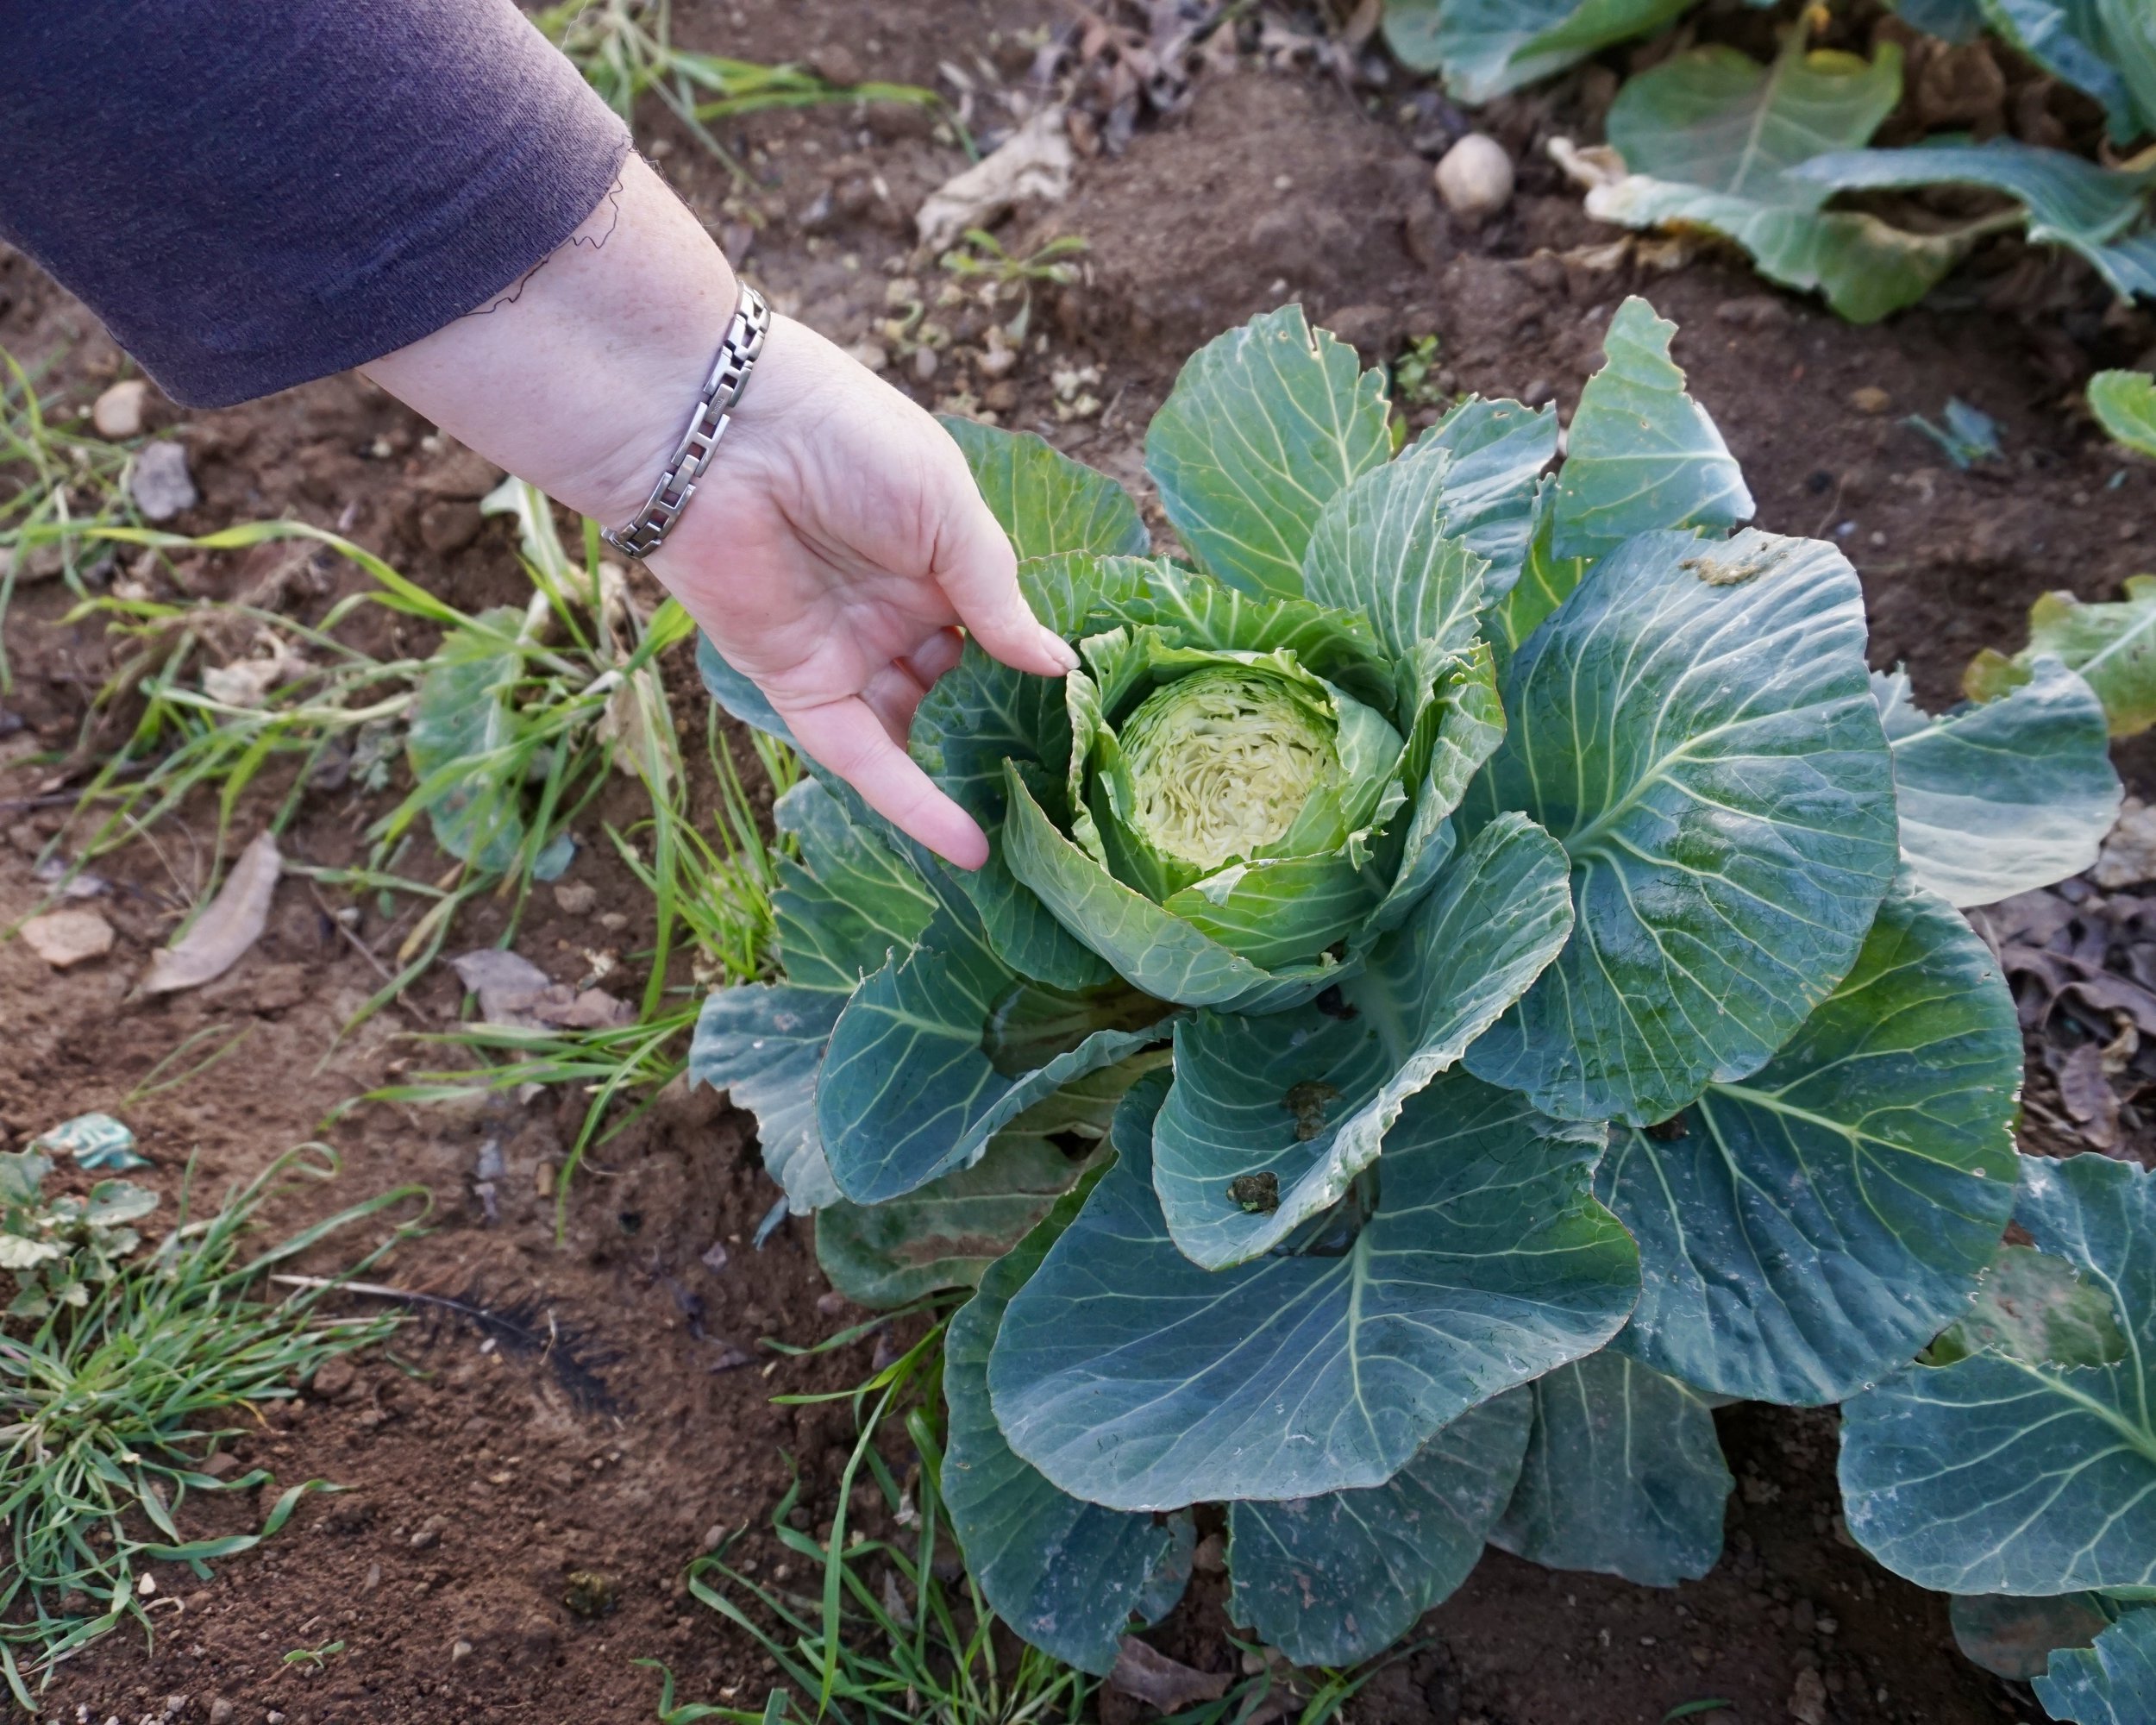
pixel 523 1327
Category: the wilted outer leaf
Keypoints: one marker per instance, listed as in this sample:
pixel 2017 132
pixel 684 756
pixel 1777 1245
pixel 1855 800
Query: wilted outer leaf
pixel 763 1042
pixel 2007 1474
pixel 1265 425
pixel 946 1232
pixel 224 933
pixel 1804 1231
pixel 1642 453
pixel 1337 1579
pixel 1496 919
pixel 461 712
pixel 1130 1375
pixel 1065 1574
pixel 2125 405
pixel 1624 1475
pixel 2112 1683
pixel 2015 1638
pixel 2003 797
pixel 908 1091
pixel 2112 643
pixel 2070 201
pixel 1696 726
pixel 1485 48
pixel 1713 140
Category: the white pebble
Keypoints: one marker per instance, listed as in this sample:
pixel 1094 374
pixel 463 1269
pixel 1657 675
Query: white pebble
pixel 1476 178
pixel 118 414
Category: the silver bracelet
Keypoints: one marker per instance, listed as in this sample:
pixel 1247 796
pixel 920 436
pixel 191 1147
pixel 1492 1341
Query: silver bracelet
pixel 722 393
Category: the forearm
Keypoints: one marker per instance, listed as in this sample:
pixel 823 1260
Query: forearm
pixel 580 377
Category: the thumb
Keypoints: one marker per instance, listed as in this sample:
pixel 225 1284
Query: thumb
pixel 978 572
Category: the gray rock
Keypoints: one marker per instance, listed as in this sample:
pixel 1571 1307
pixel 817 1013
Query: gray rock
pixel 160 483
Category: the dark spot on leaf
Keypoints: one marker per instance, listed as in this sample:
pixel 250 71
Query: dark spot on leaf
pixel 1674 1127
pixel 1334 1004
pixel 1258 1195
pixel 1307 1102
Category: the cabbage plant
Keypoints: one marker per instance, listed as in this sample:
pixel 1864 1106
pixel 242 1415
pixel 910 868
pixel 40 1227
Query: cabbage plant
pixel 1467 979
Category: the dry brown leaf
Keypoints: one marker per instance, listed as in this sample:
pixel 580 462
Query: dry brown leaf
pixel 2089 1096
pixel 1148 1675
pixel 1033 166
pixel 222 935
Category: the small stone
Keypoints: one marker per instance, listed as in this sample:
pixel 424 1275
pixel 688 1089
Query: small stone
pixel 1753 311
pixel 430 1533
pixel 613 921
pixel 1211 1556
pixel 1807 1701
pixel 832 1304
pixel 1870 399
pixel 835 64
pixel 118 414
pixel 1475 178
pixel 333 1378
pixel 925 365
pixel 159 482
pixel 459 1649
pixel 714 1258
pixel 576 898
pixel 273 1717
pixel 220 1711
pixel 65 939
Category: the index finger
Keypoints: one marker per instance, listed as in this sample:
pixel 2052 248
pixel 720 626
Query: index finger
pixel 846 736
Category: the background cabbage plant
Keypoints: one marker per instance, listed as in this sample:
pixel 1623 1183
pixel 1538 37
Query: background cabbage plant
pixel 1468 979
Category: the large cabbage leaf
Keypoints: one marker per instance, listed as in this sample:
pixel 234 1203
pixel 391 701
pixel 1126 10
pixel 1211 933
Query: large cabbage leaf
pixel 1267 423
pixel 1133 1377
pixel 2005 795
pixel 1803 1231
pixel 1623 1474
pixel 1337 1579
pixel 1694 724
pixel 2029 1465
pixel 1304 1099
pixel 2111 1681
pixel 1065 1574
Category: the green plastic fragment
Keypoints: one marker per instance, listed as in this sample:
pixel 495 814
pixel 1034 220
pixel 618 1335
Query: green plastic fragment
pixel 97 1142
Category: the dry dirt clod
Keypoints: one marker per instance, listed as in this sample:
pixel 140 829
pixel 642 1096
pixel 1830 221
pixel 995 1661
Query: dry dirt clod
pixel 65 939
pixel 1475 178
pixel 160 484
pixel 1807 1701
pixel 118 413
pixel 1869 398
pixel 576 898
pixel 220 1711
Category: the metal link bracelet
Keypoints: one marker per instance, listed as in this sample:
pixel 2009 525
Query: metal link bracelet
pixel 722 392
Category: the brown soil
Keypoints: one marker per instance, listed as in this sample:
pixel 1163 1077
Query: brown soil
pixel 479 1484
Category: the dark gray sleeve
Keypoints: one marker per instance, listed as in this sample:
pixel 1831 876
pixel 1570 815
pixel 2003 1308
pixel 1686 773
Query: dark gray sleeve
pixel 251 193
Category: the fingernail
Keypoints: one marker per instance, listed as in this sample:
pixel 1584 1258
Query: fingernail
pixel 1063 652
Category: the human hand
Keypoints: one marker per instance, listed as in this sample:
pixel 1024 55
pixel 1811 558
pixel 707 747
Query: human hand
pixel 831 553
pixel 837 542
